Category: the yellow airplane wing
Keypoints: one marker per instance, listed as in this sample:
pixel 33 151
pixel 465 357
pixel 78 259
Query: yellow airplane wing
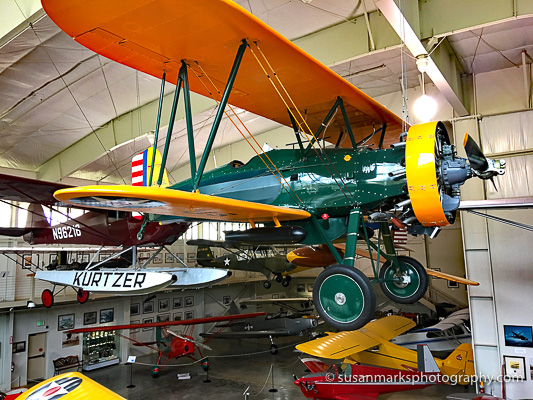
pixel 338 345
pixel 388 327
pixel 345 344
pixel 164 201
pixel 153 36
pixel 449 277
pixel 71 385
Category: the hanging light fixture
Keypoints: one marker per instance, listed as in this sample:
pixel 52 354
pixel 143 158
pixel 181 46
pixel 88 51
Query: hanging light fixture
pixel 425 107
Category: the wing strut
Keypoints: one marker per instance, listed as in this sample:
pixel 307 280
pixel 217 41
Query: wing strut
pixel 161 95
pixel 220 113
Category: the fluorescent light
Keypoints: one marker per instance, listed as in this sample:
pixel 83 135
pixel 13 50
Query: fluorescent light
pixel 365 71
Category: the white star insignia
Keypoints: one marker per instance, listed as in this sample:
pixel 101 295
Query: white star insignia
pixel 226 261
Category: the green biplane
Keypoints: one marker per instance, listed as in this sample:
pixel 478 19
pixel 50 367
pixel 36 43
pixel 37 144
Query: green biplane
pixel 352 160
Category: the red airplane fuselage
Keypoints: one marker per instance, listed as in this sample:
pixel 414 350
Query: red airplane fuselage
pixel 98 228
pixel 363 382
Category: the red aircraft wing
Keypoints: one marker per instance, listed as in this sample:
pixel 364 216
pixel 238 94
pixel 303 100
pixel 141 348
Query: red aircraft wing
pixel 26 190
pixel 186 322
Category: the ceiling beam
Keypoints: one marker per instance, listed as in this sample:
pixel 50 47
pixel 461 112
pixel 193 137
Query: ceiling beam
pixel 122 129
pixel 443 67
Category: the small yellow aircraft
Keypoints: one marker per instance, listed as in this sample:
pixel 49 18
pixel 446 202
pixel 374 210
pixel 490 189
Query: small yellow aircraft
pixel 370 345
pixel 71 385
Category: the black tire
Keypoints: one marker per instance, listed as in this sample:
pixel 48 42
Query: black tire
pixel 279 278
pixel 285 282
pixel 400 292
pixel 273 349
pixel 344 298
pixel 267 284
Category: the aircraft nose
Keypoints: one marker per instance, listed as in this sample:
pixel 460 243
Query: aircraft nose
pixel 292 256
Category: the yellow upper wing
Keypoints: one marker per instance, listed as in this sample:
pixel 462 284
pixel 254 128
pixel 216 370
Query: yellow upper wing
pixel 155 35
pixel 157 200
pixel 338 345
pixel 344 344
pixel 71 385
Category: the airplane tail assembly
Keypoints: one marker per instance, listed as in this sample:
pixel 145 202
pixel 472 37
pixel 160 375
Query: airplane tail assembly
pixel 204 256
pixel 141 166
pixel 460 364
pixel 36 218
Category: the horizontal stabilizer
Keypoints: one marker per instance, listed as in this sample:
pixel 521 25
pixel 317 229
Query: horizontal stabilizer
pixel 14 232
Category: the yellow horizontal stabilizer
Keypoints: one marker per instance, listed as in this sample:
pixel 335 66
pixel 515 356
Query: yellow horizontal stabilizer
pixel 71 385
pixel 338 345
pixel 156 200
pixel 389 327
pixel 448 277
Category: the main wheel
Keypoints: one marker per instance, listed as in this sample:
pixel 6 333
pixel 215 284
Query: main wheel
pixel 267 284
pixel 344 297
pixel 82 296
pixel 286 281
pixel 47 297
pixel 406 285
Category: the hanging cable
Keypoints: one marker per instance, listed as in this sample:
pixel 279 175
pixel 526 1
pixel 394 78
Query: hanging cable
pixel 297 199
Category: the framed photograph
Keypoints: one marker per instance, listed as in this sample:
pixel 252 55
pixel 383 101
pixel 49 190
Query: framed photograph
pixel 191 257
pixel 180 256
pixel 436 270
pixel 158 259
pixel 135 330
pixel 518 336
pixel 107 315
pixel 189 314
pixel 89 318
pixel 178 302
pixel 65 322
pixel 147 321
pixel 189 301
pixel 135 309
pixel 85 258
pixel 452 284
pixel 102 257
pixel 310 287
pixel 178 316
pixel 70 339
pixel 515 367
pixel 19 347
pixel 164 305
pixel 169 259
pixel 148 307
pixel 163 317
pixel 275 296
pixel 300 287
pixel 226 300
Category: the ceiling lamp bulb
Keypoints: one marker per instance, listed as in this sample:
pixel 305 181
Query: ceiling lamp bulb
pixel 306 1
pixel 425 108
pixel 422 63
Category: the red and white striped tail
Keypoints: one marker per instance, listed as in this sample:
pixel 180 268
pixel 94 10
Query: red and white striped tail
pixel 137 170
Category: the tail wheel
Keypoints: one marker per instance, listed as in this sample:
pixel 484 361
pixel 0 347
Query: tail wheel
pixel 344 297
pixel 83 296
pixel 47 297
pixel 404 285
pixel 267 284
pixel 155 371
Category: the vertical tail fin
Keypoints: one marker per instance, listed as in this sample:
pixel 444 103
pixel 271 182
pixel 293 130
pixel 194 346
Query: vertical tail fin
pixel 204 256
pixel 141 165
pixel 460 364
pixel 426 362
pixel 36 217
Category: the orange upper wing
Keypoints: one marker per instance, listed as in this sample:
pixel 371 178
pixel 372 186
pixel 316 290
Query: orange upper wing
pixel 155 35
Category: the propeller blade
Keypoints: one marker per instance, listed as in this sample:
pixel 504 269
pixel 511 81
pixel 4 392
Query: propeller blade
pixel 477 159
pixel 199 344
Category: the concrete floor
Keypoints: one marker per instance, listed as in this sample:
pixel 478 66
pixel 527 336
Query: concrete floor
pixel 230 375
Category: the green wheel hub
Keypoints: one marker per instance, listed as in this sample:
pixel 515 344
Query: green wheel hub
pixel 403 282
pixel 341 298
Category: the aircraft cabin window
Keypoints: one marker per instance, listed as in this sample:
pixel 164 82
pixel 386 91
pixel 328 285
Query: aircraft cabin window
pixel 236 164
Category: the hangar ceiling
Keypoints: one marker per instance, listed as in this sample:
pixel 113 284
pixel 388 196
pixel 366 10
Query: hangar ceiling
pixel 55 93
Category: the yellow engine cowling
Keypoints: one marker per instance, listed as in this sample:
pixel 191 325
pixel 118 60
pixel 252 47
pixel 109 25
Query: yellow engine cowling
pixel 422 175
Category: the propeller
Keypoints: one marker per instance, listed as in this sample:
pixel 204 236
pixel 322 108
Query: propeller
pixel 199 344
pixel 483 167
